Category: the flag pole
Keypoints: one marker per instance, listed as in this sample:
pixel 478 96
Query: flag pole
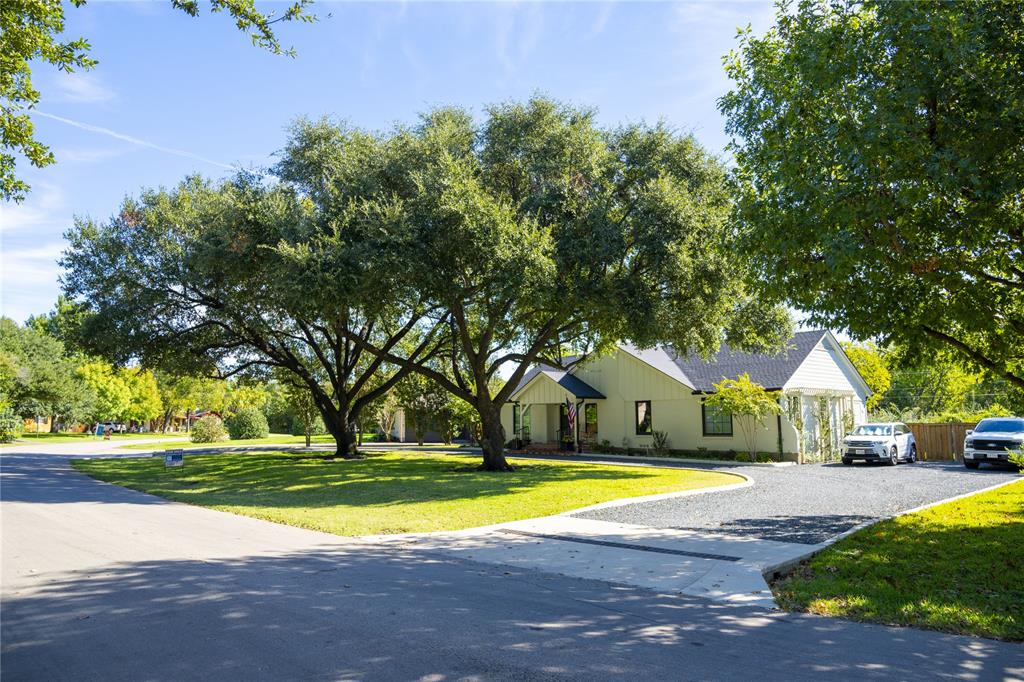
pixel 579 445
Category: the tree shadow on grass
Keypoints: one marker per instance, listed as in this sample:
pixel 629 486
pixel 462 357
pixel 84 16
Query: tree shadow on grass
pixel 286 480
pixel 963 575
pixel 372 613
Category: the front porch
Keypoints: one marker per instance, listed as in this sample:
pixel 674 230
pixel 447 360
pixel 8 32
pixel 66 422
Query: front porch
pixel 554 411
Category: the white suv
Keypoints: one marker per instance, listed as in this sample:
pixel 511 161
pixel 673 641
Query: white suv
pixel 889 442
pixel 992 440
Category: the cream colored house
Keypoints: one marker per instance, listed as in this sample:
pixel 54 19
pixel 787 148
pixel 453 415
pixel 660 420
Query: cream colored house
pixel 624 397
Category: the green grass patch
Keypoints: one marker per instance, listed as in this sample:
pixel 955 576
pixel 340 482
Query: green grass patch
pixel 957 567
pixel 396 492
pixel 272 439
pixel 28 438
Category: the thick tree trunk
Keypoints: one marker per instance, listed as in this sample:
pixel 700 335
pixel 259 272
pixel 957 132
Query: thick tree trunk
pixel 339 426
pixel 54 426
pixel 492 438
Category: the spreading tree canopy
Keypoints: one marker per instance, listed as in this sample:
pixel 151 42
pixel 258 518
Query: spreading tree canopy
pixel 448 248
pixel 38 379
pixel 538 235
pixel 880 162
pixel 288 271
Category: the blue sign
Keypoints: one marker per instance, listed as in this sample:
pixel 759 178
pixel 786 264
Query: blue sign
pixel 174 458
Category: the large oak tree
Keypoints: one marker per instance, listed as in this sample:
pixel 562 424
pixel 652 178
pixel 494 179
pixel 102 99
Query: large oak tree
pixel 448 248
pixel 880 160
pixel 292 271
pixel 540 236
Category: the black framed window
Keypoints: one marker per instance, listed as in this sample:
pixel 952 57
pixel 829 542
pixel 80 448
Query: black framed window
pixel 516 411
pixel 643 418
pixel 717 422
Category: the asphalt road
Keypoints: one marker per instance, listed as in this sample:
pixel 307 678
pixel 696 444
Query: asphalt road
pixel 104 583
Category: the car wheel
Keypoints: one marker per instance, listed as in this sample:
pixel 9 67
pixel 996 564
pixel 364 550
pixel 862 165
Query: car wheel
pixel 913 454
pixel 894 456
pixel 847 461
pixel 971 465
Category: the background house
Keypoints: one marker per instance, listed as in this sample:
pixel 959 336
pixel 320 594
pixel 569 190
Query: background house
pixel 623 397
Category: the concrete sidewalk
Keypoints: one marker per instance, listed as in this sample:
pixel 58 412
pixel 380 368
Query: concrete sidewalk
pixel 713 566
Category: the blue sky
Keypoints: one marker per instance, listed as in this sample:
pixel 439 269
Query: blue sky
pixel 174 95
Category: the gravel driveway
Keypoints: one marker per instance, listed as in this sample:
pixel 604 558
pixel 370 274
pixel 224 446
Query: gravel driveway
pixel 808 504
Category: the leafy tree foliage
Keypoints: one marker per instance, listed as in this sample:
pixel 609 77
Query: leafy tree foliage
pixel 248 423
pixel 62 323
pixel 11 425
pixel 537 231
pixel 880 158
pixel 37 379
pixel 445 244
pixel 873 368
pixel 180 394
pixel 383 411
pixel 113 394
pixel 940 385
pixel 30 33
pixel 251 275
pixel 305 417
pixel 145 404
pixel 422 401
pixel 752 402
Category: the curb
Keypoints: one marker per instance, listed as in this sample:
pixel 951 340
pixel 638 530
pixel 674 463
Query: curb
pixel 776 570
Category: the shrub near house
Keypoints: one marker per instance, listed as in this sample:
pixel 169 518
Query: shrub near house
pixel 248 424
pixel 209 429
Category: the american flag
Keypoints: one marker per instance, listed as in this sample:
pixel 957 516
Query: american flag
pixel 570 413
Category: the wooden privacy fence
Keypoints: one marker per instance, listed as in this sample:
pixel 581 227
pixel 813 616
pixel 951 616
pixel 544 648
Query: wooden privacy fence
pixel 940 441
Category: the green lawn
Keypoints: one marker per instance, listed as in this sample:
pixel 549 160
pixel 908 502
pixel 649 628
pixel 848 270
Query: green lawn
pixel 79 437
pixel 389 493
pixel 272 439
pixel 957 567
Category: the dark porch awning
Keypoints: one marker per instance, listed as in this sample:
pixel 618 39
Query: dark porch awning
pixel 570 382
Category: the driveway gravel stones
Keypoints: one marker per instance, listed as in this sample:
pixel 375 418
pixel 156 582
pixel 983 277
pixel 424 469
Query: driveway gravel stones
pixel 807 504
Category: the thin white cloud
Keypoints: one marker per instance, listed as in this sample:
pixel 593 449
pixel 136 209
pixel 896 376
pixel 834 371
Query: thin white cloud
pixel 82 88
pixel 601 19
pixel 133 140
pixel 702 15
pixel 44 208
pixel 86 155
pixel 29 279
pixel 517 32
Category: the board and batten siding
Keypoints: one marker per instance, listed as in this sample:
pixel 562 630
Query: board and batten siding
pixel 825 370
pixel 675 409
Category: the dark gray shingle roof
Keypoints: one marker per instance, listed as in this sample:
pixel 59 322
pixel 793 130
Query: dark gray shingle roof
pixel 769 370
pixel 569 382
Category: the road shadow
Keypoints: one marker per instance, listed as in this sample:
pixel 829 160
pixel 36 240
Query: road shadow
pixel 371 613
